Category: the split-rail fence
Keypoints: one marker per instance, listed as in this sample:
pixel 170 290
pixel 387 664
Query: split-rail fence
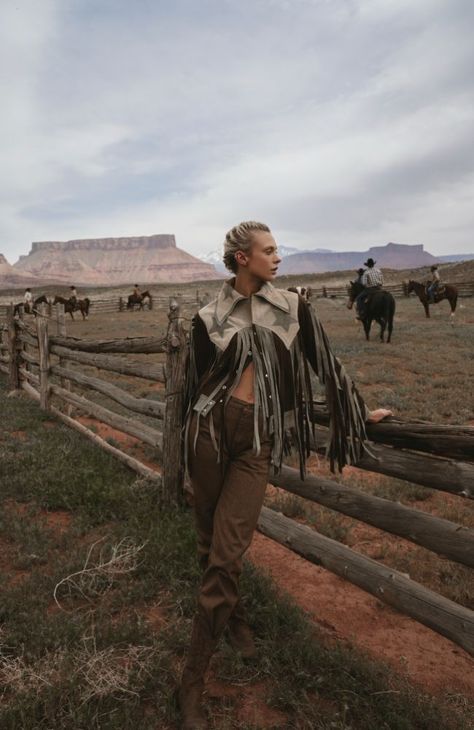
pixel 101 304
pixel 47 365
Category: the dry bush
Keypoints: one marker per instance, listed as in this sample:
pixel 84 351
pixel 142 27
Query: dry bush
pixel 96 578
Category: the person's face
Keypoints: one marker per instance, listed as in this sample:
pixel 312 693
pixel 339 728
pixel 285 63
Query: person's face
pixel 262 260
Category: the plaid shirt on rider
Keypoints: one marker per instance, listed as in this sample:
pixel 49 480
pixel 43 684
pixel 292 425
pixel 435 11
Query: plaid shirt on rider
pixel 372 277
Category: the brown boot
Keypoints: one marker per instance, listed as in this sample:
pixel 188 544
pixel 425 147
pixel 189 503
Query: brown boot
pixel 192 682
pixel 240 633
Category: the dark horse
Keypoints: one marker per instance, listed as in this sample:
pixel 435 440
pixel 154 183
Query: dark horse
pixel 139 299
pixel 81 305
pixel 448 291
pixel 27 308
pixel 21 308
pixel 381 307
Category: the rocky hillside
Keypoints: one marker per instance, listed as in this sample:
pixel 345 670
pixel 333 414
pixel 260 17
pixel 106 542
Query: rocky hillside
pixel 392 255
pixel 11 278
pixel 108 261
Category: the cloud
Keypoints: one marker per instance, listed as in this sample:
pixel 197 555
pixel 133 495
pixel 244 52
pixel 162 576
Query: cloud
pixel 341 124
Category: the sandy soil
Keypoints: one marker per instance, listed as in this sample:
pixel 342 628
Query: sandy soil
pixel 347 613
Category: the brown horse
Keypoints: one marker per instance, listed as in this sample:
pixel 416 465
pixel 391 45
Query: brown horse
pixel 20 309
pixel 139 299
pixel 25 308
pixel 448 291
pixel 81 305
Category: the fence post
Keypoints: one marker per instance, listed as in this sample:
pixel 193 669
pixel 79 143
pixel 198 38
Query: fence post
pixel 43 344
pixel 121 305
pixel 325 292
pixel 173 462
pixel 150 302
pixel 13 350
pixel 62 332
pixel 60 320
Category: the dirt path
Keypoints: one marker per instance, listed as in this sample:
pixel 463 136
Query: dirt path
pixel 347 613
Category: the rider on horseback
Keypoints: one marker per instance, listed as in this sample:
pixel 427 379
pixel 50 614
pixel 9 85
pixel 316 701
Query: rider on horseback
pixel 372 280
pixel 73 296
pixel 136 291
pixel 433 284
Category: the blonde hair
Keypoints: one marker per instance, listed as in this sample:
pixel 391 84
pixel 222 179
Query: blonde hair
pixel 239 238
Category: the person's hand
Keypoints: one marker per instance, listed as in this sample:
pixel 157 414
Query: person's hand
pixel 378 415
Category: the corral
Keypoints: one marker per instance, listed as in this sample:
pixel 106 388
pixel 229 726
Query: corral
pixel 423 375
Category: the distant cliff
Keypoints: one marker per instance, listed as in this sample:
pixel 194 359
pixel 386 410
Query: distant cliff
pixel 392 256
pixel 123 260
pixel 10 277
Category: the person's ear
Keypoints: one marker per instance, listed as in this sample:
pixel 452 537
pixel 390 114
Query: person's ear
pixel 241 258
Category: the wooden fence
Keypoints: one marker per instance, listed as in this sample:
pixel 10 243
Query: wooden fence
pixel 465 289
pixel 44 365
pixel 439 457
pixel 115 303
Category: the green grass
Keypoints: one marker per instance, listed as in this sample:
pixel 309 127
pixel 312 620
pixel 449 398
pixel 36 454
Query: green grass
pixel 97 661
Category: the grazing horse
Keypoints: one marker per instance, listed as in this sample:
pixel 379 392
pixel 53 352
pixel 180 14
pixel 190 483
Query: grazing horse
pixel 139 299
pixel 81 305
pixel 304 291
pixel 448 291
pixel 381 307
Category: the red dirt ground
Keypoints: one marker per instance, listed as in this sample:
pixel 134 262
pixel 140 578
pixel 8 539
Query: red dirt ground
pixel 342 610
pixel 347 613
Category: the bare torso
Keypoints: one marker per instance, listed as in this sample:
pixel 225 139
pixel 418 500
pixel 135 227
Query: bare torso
pixel 244 388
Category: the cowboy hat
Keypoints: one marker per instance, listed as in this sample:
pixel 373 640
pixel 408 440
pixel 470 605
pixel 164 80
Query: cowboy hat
pixel 370 262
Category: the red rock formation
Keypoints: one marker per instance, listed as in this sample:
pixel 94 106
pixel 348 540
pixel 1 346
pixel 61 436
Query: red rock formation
pixel 11 278
pixel 124 260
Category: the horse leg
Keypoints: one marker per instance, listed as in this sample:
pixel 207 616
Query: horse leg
pixel 427 309
pixel 389 328
pixel 367 324
pixel 383 324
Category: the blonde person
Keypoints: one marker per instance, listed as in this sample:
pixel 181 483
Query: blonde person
pixel 248 388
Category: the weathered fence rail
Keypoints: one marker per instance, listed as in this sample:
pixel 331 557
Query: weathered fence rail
pixel 390 586
pixel 439 457
pixel 115 303
pixel 46 366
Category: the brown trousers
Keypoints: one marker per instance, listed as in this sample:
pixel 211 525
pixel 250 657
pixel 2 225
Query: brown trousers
pixel 228 497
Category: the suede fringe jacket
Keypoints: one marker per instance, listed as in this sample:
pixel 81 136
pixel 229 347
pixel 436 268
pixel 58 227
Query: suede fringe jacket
pixel 279 332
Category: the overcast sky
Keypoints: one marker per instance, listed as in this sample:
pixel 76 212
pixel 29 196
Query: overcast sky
pixel 341 123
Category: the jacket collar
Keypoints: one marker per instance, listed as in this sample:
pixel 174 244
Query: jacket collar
pixel 228 298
